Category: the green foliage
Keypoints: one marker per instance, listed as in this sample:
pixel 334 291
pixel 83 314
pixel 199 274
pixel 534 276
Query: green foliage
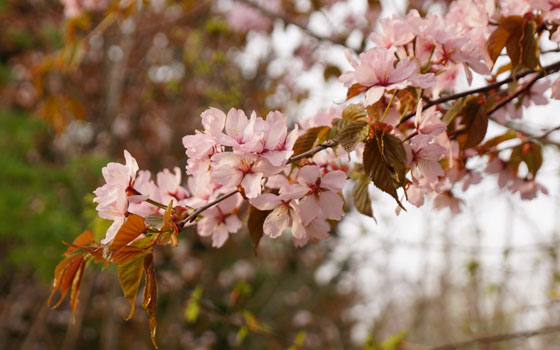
pixel 42 201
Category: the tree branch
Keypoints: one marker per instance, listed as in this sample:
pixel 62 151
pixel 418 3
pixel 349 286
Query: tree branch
pixel 498 338
pixel 546 70
pixel 273 15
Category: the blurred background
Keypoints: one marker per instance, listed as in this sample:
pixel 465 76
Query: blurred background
pixel 81 80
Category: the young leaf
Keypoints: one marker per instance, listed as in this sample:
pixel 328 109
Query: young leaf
pixel 255 224
pixel 355 90
pixel 64 275
pixel 498 39
pixel 150 294
pixel 81 240
pixel 530 154
pixel 193 306
pixel 309 139
pixel 360 192
pixel 530 45
pixel 130 275
pixel 154 220
pixel 129 231
pixel 355 112
pixel 76 281
pixel 495 141
pixel 385 163
pixel 350 133
pixel 453 111
pixel 475 123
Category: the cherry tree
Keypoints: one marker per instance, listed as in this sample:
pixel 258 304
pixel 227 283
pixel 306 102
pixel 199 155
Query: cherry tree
pixel 407 128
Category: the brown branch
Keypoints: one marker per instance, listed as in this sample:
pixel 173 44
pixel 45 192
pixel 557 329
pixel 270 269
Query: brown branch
pixel 517 93
pixel 273 15
pixel 497 338
pixel 547 70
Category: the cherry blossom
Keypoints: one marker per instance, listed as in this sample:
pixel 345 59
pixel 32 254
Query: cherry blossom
pixel 220 220
pixel 285 213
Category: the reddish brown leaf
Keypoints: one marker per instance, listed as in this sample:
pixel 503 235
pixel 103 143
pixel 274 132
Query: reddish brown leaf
pixel 76 286
pixel 499 38
pixel 150 294
pixel 82 240
pixel 129 231
pixel 64 275
pixel 255 225
pixel 126 253
pixel 355 90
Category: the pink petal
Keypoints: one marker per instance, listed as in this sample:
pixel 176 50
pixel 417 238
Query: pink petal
pixel 334 181
pixel 308 175
pixel 251 183
pixel 267 201
pixel 309 209
pixel 373 95
pixel 331 205
pixel 276 222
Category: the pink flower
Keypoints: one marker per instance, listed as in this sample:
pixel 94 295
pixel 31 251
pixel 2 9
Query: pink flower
pixel 231 170
pixel 502 169
pixel 378 72
pixel 240 132
pixel 144 185
pixel 285 213
pixel 169 186
pixel 415 195
pixel 317 230
pixel 396 32
pixel 220 220
pixel 427 122
pixel 446 199
pixel 426 156
pixel 322 118
pixel 322 200
pixel 112 197
pixel 277 143
pixel 528 189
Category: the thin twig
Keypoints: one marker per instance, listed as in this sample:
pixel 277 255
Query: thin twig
pixel 497 338
pixel 547 70
pixel 289 20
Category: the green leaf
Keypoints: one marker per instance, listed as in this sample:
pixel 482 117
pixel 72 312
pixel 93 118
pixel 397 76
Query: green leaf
pixel 255 224
pixel 309 139
pixel 130 275
pixel 528 153
pixel 495 141
pixel 193 305
pixel 453 111
pixel 360 192
pixel 350 133
pixel 385 163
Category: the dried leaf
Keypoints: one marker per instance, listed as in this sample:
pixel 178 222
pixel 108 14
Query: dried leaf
pixel 475 124
pixel 76 286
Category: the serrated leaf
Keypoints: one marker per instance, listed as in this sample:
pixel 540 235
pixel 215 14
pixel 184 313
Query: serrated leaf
pixel 501 35
pixel 350 133
pixel 360 193
pixel 384 162
pixel 149 302
pixel 130 274
pixel 309 139
pixel 355 112
pixel 255 224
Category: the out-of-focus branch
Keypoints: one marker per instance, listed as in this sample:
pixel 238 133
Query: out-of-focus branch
pixel 287 19
pixel 497 338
